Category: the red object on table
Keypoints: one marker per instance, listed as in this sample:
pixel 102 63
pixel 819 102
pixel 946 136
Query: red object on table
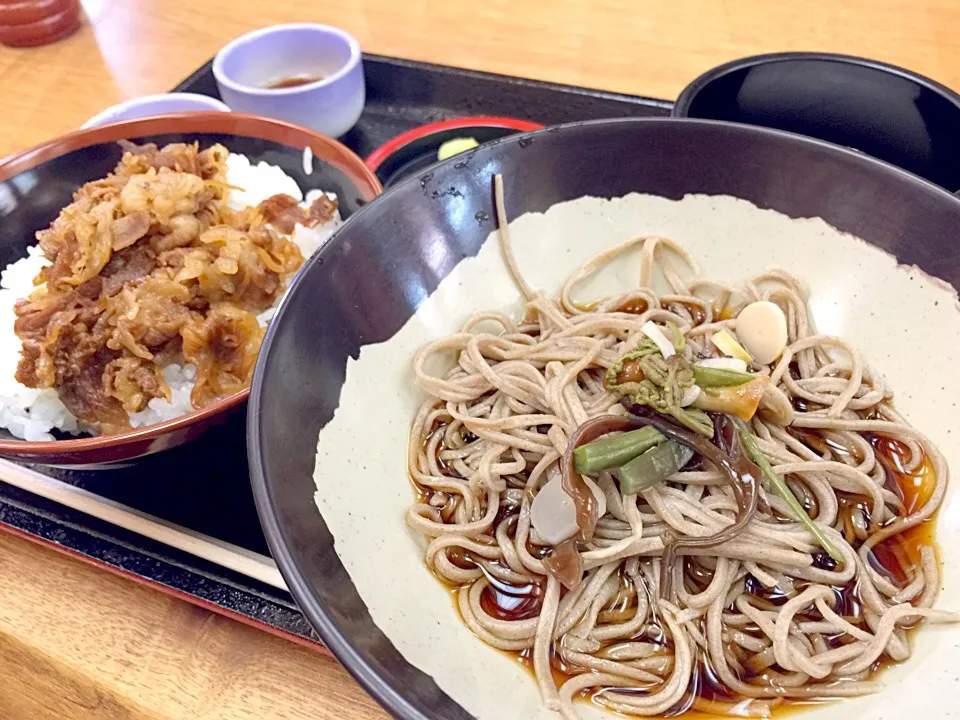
pixel 30 23
pixel 375 159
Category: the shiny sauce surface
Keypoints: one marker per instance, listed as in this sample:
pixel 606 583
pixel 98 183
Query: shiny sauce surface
pixel 708 697
pixel 293 81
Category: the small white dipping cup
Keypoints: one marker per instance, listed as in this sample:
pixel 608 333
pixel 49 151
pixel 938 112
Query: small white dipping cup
pixel 156 105
pixel 332 105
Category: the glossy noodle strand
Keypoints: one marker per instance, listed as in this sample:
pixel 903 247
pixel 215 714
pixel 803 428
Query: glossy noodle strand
pixel 762 618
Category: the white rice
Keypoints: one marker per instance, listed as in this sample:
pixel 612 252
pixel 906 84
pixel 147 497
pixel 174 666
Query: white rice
pixel 258 181
pixel 32 414
pixel 308 160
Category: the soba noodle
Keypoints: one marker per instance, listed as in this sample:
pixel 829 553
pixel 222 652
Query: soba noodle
pixel 748 623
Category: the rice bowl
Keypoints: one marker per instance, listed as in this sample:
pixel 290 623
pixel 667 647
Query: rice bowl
pixel 34 414
pixel 36 184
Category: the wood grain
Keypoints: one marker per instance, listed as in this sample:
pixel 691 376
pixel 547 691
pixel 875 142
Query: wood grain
pixel 654 47
pixel 77 643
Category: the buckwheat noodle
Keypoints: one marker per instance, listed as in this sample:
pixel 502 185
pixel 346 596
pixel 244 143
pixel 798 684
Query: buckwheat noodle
pixel 764 618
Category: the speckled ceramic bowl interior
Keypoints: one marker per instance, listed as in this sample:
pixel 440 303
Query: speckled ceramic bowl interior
pixel 364 287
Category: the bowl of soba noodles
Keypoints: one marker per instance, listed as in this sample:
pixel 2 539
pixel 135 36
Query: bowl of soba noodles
pixel 630 418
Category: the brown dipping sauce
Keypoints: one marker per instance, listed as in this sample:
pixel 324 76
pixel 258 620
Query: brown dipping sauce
pixel 708 698
pixel 293 81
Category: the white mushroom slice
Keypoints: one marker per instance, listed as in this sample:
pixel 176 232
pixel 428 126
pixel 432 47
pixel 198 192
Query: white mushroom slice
pixel 308 160
pixel 553 514
pixel 762 330
pixel 724 363
pixel 690 395
pixel 656 334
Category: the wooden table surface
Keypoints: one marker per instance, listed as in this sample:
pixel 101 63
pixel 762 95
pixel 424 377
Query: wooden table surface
pixel 80 643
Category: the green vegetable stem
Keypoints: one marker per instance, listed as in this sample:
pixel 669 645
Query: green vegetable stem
pixel 653 467
pixel 614 450
pixel 778 484
pixel 707 377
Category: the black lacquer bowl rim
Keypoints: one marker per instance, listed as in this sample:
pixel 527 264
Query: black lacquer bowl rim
pixel 681 108
pixel 341 645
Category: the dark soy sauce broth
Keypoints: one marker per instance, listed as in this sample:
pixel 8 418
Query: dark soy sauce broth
pixel 292 81
pixel 894 557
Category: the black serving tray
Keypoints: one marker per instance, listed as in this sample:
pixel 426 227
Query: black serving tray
pixel 204 486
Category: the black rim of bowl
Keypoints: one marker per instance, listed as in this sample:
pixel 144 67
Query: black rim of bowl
pixel 415 156
pixel 338 642
pixel 682 107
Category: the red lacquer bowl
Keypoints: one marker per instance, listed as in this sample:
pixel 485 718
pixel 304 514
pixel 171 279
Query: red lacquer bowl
pixel 30 23
pixel 411 152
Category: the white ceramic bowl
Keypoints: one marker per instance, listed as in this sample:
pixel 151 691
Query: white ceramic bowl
pixel 162 104
pixel 246 67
